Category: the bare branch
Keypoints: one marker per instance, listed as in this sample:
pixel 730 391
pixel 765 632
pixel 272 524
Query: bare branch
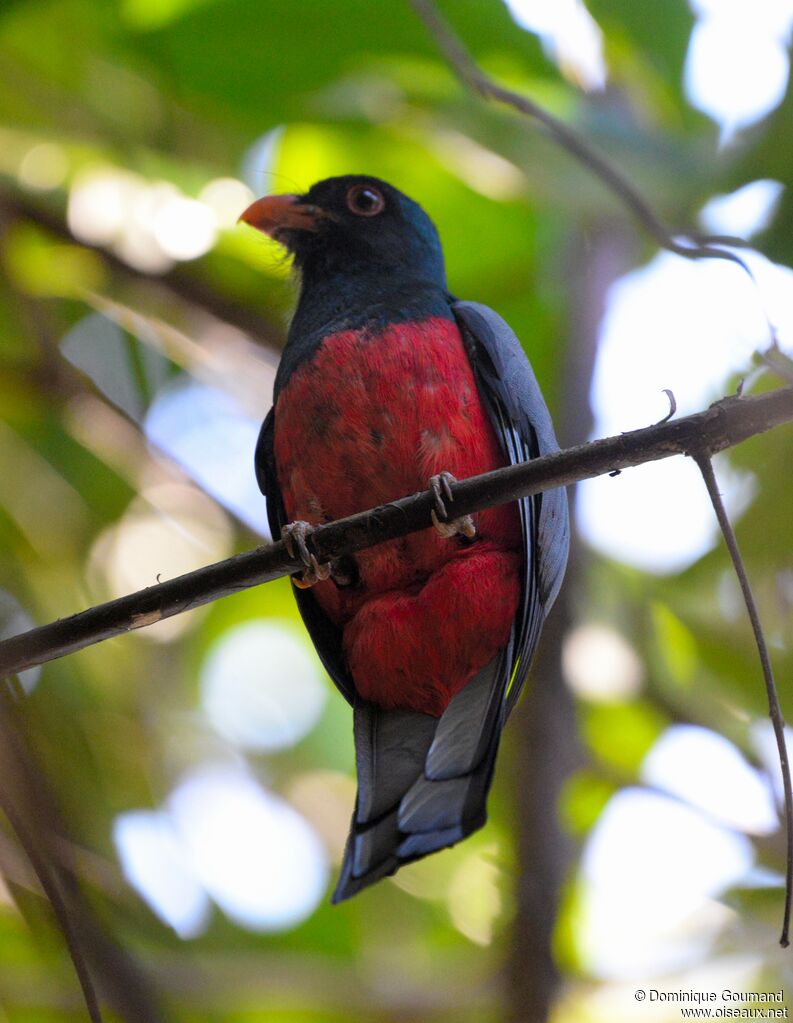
pixel 723 425
pixel 702 458
pixel 693 246
pixel 778 363
pixel 672 405
pixel 41 863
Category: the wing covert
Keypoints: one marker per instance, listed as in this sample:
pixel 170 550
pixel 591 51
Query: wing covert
pixel 523 424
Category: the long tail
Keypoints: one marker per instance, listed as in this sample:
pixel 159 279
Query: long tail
pixel 422 781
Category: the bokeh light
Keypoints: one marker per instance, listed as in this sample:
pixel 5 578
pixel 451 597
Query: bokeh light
pixel 99 204
pixel 737 64
pixel 213 439
pixel 651 870
pixel 570 36
pixel 708 772
pixel 685 326
pixel 184 228
pixel 658 516
pixel 224 836
pixel 170 529
pixel 43 167
pixel 256 856
pixel 227 198
pixel 153 862
pixel 474 897
pixel 745 211
pixel 262 686
pixel 600 664
pixel 149 224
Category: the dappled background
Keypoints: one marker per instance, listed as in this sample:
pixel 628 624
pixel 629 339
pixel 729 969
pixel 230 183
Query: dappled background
pixel 200 772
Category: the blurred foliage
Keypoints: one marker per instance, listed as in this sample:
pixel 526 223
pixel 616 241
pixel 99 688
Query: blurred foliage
pixel 176 94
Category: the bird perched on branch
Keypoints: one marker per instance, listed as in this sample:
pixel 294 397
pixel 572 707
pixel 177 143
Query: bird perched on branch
pixel 389 385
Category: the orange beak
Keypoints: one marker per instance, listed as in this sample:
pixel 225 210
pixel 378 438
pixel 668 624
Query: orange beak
pixel 276 213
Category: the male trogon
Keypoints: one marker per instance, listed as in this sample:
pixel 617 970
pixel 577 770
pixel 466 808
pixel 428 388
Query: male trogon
pixel 387 384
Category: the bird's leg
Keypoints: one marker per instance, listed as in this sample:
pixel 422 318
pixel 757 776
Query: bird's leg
pixel 441 487
pixel 294 535
pixel 344 572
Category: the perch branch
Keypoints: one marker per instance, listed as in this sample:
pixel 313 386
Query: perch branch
pixel 724 424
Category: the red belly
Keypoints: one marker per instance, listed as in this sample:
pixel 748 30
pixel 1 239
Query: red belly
pixel 369 419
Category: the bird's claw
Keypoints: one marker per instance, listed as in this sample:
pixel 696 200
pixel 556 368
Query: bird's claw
pixel 294 535
pixel 441 487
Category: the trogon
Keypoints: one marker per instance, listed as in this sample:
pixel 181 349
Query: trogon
pixel 388 385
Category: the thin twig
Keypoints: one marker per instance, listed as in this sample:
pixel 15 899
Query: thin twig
pixel 52 891
pixel 670 397
pixel 46 876
pixel 472 75
pixel 468 71
pixel 778 363
pixel 723 425
pixel 703 459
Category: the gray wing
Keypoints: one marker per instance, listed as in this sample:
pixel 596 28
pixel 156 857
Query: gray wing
pixel 524 425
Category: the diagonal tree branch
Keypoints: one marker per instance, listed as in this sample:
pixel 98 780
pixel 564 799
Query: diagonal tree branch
pixel 693 246
pixel 724 424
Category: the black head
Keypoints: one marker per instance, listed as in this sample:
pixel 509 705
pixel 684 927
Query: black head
pixel 352 224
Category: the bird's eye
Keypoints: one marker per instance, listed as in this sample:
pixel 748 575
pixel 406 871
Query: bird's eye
pixel 365 200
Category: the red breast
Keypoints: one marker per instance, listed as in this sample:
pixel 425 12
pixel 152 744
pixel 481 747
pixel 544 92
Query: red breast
pixel 370 418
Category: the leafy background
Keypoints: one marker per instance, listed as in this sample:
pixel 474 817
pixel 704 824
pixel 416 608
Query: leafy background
pixel 139 330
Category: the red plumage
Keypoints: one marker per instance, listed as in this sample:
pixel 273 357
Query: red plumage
pixel 370 418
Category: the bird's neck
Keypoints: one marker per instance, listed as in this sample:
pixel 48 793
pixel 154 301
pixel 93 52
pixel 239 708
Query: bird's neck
pixel 351 297
pixel 350 301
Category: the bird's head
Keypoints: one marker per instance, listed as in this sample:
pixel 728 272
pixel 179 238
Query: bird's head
pixel 349 224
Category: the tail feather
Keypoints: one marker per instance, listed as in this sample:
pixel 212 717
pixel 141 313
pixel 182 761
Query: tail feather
pixel 423 781
pixel 375 844
pixel 390 749
pixel 464 730
pixel 430 805
pixel 349 885
pixel 424 843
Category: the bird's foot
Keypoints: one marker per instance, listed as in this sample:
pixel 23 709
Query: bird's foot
pixel 294 535
pixel 441 487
